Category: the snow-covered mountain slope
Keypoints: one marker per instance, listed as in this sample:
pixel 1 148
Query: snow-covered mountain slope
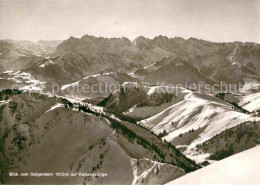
pixel 187 120
pixel 98 85
pixel 152 172
pixel 158 99
pixel 41 133
pixel 162 59
pixel 242 168
pixel 229 97
pixel 194 120
pixel 230 62
pixel 21 56
pixel 20 80
pixel 15 55
pixel 73 66
pixel 39 48
pixel 231 141
pixel 251 102
pixel 172 70
pixel 140 100
pixel 120 49
pixel 251 86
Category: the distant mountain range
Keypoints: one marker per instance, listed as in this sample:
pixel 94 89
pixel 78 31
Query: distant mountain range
pixel 162 59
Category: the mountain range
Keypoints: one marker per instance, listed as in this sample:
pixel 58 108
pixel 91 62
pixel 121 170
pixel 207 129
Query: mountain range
pixel 143 122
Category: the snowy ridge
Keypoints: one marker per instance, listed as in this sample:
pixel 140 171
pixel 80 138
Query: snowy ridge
pixel 57 105
pixel 249 85
pixel 4 102
pixel 93 76
pixel 155 89
pixel 97 85
pixel 147 171
pixel 251 102
pixel 242 168
pixel 131 84
pixel 148 111
pixel 69 85
pixel 167 89
pixel 24 81
pixel 46 63
pixel 198 112
pixel 152 67
pixel 53 111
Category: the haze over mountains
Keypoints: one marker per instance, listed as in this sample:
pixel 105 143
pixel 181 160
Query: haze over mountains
pixel 49 124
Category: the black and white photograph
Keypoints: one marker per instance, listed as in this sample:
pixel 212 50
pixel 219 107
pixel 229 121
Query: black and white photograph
pixel 130 92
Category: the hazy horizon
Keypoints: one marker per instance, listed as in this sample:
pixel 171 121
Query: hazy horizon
pixel 36 40
pixel 214 20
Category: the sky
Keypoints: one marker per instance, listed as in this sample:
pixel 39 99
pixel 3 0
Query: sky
pixel 213 20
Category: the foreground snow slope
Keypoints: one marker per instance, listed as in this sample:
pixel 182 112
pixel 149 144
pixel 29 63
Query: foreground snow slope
pixel 242 168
